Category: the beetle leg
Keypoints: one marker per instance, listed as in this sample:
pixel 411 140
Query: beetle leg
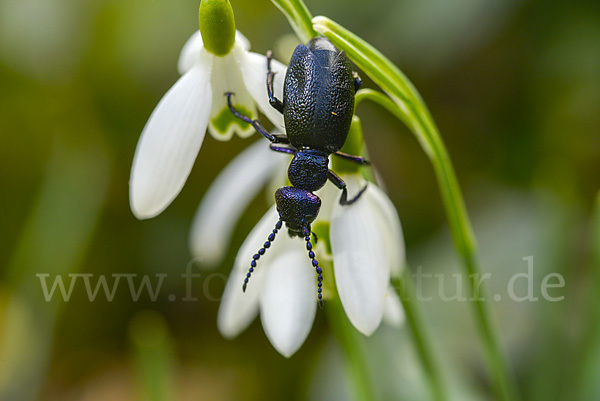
pixel 338 182
pixel 283 149
pixel 357 81
pixel 281 139
pixel 275 103
pixel 344 198
pixel 255 123
pixel 351 158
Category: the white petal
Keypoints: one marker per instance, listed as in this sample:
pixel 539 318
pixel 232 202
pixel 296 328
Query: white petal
pixel 238 308
pixel 361 264
pixel 227 77
pixel 330 195
pixel 393 229
pixel 279 178
pixel 170 142
pixel 242 40
pixel 190 53
pixel 393 314
pixel 288 300
pixel 256 239
pixel 228 197
pixel 254 72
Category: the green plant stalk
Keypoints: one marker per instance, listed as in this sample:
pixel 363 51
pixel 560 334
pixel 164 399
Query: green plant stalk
pixel 153 355
pixel 411 109
pixel 406 292
pixel 587 357
pixel 350 340
pixel 299 18
pixel 465 244
pixel 404 286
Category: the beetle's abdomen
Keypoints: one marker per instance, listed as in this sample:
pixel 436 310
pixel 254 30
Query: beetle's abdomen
pixel 319 97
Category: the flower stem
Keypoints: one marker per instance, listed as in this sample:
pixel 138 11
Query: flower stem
pixel 411 109
pixel 154 360
pixel 350 340
pixel 414 315
pixel 584 374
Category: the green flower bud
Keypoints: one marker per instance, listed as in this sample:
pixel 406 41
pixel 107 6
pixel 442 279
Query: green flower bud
pixel 217 26
pixel 353 146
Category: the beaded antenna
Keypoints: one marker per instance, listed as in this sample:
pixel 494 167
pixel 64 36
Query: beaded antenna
pixel 311 254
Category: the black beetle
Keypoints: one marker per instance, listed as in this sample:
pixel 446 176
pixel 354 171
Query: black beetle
pixel 317 107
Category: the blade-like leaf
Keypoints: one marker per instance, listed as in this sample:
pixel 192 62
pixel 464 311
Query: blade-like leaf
pixel 299 18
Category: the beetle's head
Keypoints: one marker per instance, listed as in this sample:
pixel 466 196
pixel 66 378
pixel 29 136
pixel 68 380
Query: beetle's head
pixel 297 208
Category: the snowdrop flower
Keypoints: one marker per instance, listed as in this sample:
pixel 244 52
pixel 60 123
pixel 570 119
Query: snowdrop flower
pixel 282 289
pixel 214 60
pixel 367 247
pixel 366 244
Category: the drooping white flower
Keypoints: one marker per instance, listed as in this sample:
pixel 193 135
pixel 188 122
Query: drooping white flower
pixel 365 237
pixel 283 290
pixel 173 135
pixel 367 245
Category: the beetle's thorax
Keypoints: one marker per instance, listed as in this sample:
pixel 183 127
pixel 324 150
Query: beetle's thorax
pixel 308 169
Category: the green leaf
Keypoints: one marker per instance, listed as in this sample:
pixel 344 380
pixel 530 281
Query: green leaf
pixel 299 18
pixel 413 112
pixel 353 146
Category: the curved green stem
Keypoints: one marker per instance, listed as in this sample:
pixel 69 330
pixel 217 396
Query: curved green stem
pixel 414 316
pixel 587 355
pixel 153 352
pixel 406 103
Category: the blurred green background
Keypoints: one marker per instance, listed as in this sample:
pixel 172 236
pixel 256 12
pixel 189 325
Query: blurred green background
pixel 515 90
